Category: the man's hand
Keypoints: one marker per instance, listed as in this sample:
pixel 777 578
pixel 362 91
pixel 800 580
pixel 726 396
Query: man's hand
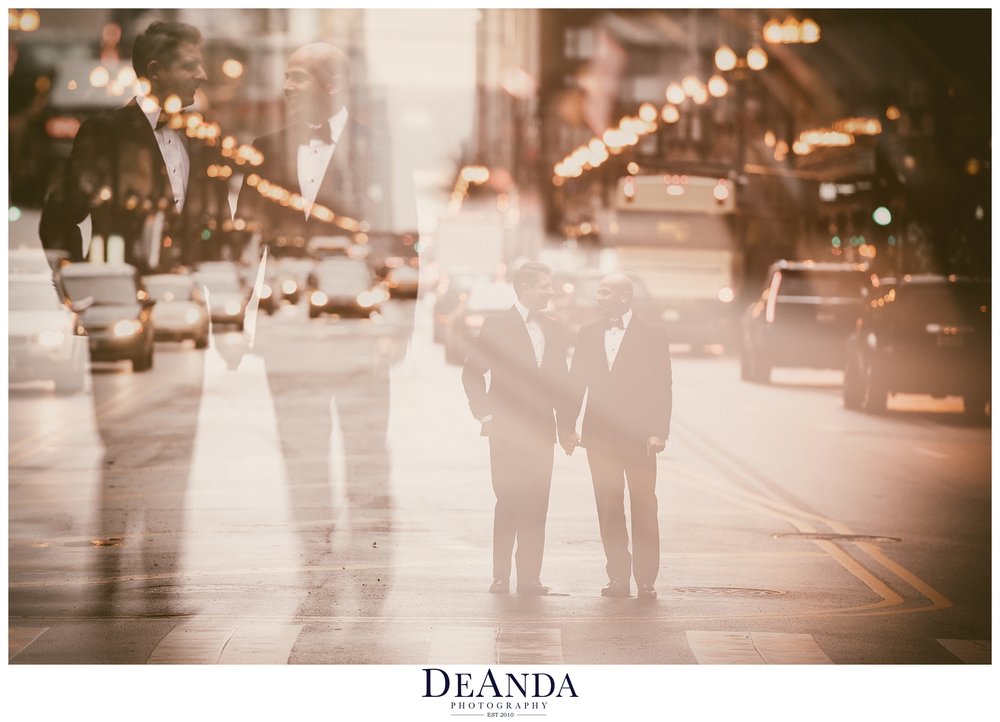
pixel 569 442
pixel 654 445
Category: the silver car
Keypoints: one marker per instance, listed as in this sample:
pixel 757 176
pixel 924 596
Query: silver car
pixel 180 312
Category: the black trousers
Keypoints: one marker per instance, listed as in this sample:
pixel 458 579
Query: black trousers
pixel 611 468
pixel 521 467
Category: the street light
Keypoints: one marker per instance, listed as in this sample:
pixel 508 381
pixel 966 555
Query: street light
pixel 756 58
pixel 725 58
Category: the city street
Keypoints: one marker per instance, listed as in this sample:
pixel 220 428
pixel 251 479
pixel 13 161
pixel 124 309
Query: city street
pixel 201 514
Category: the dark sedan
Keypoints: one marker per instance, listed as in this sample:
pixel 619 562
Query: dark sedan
pixel 922 335
pixel 802 318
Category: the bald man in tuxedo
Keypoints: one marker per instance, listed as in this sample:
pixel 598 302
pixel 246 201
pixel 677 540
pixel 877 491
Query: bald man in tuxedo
pixel 623 364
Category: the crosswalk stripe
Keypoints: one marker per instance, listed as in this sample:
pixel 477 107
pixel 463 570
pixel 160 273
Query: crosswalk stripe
pixel 529 645
pixel 755 648
pixel 496 645
pixel 463 645
pixel 261 644
pixel 20 637
pixel 970 651
pixel 191 644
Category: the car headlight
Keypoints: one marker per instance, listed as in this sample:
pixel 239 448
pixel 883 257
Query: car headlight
pixel 318 298
pixel 233 307
pixel 128 327
pixel 191 316
pixel 289 286
pixel 51 339
pixel 265 292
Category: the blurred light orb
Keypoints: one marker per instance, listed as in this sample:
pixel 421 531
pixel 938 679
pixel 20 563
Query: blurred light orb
pixel 892 113
pixel 690 85
pixel 772 31
pixel 700 96
pixel 882 216
pixel 726 294
pixel 632 167
pixel 100 77
pixel 647 112
pixel 809 31
pixel 675 93
pixel 172 104
pixel 756 58
pixel 717 86
pixel 720 192
pixel 770 139
pixel 30 21
pixel 670 114
pixel 725 58
pixel 13 214
pixel 232 68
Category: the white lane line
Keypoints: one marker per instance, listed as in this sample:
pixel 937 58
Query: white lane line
pixel 929 452
pixel 969 651
pixel 529 645
pixel 755 648
pixel 19 638
pixel 261 644
pixel 463 645
pixel 191 644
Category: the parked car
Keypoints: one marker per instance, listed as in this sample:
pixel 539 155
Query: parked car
pixel 483 300
pixel 180 312
pixel 227 296
pixel 923 335
pixel 45 337
pixel 345 286
pixel 119 319
pixel 802 318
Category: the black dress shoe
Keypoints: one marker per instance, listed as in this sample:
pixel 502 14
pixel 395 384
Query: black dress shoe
pixel 647 591
pixel 536 589
pixel 616 588
pixel 500 586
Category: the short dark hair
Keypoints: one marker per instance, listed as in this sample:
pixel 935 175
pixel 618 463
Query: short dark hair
pixel 159 42
pixel 529 273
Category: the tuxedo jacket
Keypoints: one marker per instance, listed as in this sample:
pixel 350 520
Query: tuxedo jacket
pixel 632 400
pixel 357 185
pixel 116 175
pixel 522 397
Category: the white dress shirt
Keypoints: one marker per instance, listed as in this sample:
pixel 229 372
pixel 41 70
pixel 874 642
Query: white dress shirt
pixel 314 158
pixel 534 333
pixel 613 338
pixel 172 149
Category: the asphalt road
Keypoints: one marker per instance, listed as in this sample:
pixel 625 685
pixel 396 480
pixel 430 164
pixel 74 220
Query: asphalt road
pixel 201 514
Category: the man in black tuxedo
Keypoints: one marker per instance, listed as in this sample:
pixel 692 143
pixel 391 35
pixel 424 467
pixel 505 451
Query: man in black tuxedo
pixel 326 160
pixel 525 353
pixel 623 363
pixel 136 172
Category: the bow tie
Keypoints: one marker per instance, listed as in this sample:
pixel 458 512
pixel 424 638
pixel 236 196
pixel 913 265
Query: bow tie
pixel 614 323
pixel 320 133
pixel 162 120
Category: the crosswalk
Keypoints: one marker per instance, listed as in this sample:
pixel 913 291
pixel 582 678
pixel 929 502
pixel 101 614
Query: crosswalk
pixel 197 641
